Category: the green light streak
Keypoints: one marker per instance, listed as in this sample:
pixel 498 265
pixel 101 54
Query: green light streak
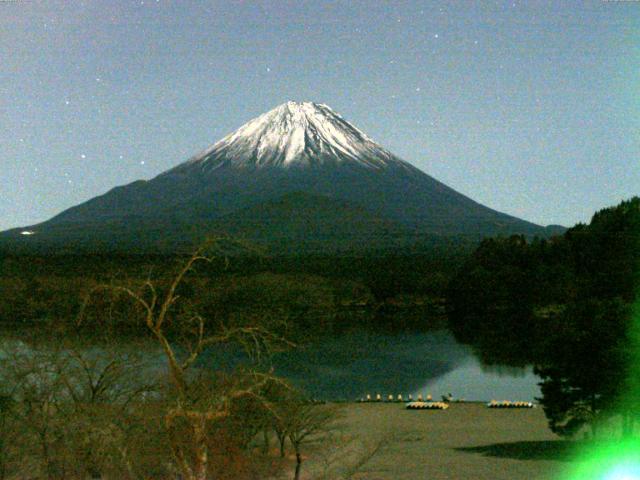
pixel 617 459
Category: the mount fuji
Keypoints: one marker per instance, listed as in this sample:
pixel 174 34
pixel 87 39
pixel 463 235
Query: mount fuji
pixel 298 177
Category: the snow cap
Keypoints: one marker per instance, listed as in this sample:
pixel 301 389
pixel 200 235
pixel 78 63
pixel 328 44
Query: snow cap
pixel 295 133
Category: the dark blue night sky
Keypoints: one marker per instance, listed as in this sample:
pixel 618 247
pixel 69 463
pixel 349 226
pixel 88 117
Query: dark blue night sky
pixel 531 108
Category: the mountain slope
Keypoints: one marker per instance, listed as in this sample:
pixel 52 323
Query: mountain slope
pixel 300 162
pixel 307 222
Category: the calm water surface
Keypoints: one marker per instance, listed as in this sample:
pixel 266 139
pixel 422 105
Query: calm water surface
pixel 360 363
pixel 351 365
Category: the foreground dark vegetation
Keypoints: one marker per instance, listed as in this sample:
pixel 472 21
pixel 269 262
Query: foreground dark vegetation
pixel 563 305
pixel 68 411
pixel 76 403
pixel 338 442
pixel 566 306
pixel 320 293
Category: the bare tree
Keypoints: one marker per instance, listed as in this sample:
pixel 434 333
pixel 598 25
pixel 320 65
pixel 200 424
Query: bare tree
pixel 304 420
pixel 74 406
pixel 199 403
pixel 103 390
pixel 30 380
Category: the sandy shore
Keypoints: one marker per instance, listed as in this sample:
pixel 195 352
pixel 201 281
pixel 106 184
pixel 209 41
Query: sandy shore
pixel 467 441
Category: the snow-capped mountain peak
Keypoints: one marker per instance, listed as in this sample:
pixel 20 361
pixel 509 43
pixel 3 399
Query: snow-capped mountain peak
pixel 295 134
pixel 298 177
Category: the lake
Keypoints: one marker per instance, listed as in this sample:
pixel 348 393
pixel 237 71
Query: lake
pixel 356 363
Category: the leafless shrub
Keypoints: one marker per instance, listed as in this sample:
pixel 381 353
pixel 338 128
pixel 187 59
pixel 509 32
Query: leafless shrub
pixel 201 407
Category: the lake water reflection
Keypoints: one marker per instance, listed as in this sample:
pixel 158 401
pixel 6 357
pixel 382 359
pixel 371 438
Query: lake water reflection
pixel 356 363
pixel 351 365
pixel 472 381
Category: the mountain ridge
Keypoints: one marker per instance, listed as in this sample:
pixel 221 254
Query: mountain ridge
pixel 296 147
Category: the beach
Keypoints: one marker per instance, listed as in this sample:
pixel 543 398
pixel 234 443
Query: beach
pixel 465 441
